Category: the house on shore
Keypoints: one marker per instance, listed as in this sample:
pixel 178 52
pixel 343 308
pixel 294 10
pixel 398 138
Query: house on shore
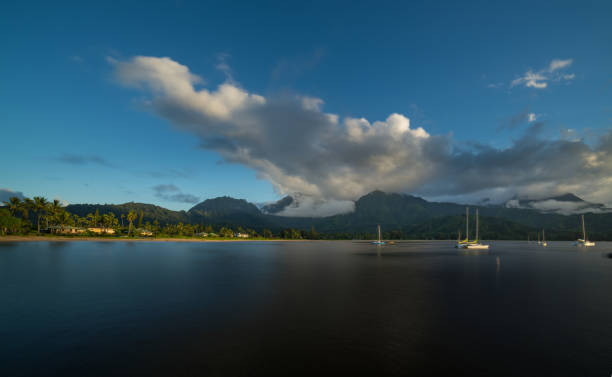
pixel 99 230
pixel 144 232
pixel 241 235
pixel 67 229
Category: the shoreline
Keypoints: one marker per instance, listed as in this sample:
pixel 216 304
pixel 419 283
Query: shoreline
pixel 121 239
pixel 35 238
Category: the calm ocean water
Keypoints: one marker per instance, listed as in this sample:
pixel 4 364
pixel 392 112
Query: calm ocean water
pixel 305 308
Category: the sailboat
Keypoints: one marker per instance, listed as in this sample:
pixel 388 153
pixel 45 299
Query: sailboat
pixel 474 244
pixel 543 243
pixel 583 241
pixel 379 241
pixel 467 229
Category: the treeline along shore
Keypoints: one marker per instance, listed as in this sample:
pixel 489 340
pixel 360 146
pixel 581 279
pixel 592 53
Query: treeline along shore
pixel 38 219
pixel 401 216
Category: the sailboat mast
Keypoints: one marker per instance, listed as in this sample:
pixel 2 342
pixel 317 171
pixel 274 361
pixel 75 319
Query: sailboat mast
pixel 379 233
pixel 476 224
pixel 583 229
pixel 467 223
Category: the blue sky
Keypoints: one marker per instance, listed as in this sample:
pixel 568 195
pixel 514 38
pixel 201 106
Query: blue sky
pixel 73 130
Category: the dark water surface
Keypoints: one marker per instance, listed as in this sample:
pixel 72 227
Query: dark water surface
pixel 305 308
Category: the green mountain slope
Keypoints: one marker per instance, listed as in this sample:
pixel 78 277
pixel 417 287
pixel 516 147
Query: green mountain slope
pixel 399 215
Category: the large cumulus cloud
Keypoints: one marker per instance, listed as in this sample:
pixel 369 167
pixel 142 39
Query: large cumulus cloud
pixel 300 148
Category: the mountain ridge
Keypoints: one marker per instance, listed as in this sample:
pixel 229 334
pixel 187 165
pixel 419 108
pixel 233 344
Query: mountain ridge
pixel 405 214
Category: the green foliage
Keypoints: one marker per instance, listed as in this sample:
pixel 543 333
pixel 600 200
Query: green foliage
pixel 131 216
pixel 150 212
pixel 400 216
pixel 226 232
pixel 291 234
pixel 10 224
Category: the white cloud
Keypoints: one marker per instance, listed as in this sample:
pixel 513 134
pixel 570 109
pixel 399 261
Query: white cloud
pixel 307 206
pixel 531 117
pixel 513 203
pixel 540 79
pixel 331 161
pixel 63 203
pixel 561 207
pixel 531 80
pixel 559 64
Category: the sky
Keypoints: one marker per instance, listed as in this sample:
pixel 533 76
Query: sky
pixel 175 102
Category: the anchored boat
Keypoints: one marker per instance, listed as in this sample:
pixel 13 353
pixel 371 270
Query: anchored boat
pixel 474 244
pixel 379 241
pixel 583 242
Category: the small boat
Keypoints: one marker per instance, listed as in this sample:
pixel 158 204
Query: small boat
pixel 474 244
pixel 379 241
pixel 583 242
pixel 543 243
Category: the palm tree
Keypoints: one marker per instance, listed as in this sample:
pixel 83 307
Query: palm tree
pixel 53 209
pixel 131 217
pixel 14 204
pixel 40 205
pixel 26 206
pixel 109 220
pixel 122 217
pixel 63 218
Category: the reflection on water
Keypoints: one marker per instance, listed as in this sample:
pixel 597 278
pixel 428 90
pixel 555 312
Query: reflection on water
pixel 58 244
pixel 256 308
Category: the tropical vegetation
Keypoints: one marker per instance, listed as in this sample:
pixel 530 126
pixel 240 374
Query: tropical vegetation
pixel 400 216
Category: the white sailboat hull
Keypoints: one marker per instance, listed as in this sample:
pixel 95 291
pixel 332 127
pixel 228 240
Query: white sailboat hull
pixel 473 246
pixel 583 243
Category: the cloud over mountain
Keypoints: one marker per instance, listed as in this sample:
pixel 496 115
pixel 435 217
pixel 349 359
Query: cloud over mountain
pixel 300 148
pixel 6 194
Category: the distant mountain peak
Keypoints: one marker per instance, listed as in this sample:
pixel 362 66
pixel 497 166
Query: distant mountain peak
pixel 565 204
pixel 278 206
pixel 224 205
pixel 569 197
